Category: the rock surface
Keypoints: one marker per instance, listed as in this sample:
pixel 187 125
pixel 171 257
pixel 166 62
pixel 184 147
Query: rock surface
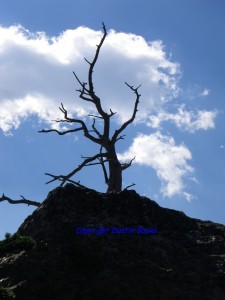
pixel 185 259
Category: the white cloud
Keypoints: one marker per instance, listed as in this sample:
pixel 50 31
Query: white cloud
pixel 35 66
pixel 205 92
pixel 188 196
pixel 13 112
pixel 187 120
pixel 170 161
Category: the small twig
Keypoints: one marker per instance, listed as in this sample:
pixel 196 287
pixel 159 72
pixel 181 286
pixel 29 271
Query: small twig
pixel 121 137
pixel 90 115
pixel 126 188
pixel 87 61
pixel 97 163
pixel 112 113
pixel 77 183
pixel 96 130
pixel 64 111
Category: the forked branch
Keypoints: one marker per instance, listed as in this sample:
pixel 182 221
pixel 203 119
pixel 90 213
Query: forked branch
pixel 72 120
pixel 88 93
pixel 118 131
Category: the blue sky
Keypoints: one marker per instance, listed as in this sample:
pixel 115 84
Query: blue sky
pixel 175 49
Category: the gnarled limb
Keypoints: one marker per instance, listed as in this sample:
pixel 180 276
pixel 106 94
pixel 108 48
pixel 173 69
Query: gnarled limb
pixel 72 120
pixel 21 201
pixel 65 178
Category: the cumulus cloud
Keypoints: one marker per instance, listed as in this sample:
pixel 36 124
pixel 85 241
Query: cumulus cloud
pixel 170 161
pixel 13 112
pixel 186 120
pixel 36 76
pixel 36 68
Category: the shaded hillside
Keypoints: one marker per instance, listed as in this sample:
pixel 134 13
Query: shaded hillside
pixel 184 259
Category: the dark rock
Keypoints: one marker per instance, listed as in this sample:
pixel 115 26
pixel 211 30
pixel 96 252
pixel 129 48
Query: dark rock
pixel 185 259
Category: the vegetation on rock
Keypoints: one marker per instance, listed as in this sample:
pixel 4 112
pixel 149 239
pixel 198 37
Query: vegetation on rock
pixel 16 243
pixel 6 294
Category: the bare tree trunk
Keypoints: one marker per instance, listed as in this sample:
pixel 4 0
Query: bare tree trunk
pixel 115 172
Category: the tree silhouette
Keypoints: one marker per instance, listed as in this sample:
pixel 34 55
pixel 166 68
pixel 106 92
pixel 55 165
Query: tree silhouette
pixel 107 153
pixel 113 176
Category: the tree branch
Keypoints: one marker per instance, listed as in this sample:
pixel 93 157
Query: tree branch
pixel 112 113
pixel 90 115
pixel 65 178
pixel 84 91
pixel 103 168
pixel 121 137
pixel 117 132
pixel 97 163
pixel 127 165
pixel 21 201
pixel 71 120
pixel 87 61
pixel 95 130
pixel 61 132
pixel 88 94
pixel 90 90
pixel 126 188
pixel 90 82
pixel 77 183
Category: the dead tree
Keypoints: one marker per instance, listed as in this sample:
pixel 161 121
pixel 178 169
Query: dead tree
pixel 107 153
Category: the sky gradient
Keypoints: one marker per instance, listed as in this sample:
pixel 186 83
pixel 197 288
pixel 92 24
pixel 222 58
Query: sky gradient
pixel 174 49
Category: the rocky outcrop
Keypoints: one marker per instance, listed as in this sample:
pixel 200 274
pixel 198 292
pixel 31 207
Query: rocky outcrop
pixel 93 246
